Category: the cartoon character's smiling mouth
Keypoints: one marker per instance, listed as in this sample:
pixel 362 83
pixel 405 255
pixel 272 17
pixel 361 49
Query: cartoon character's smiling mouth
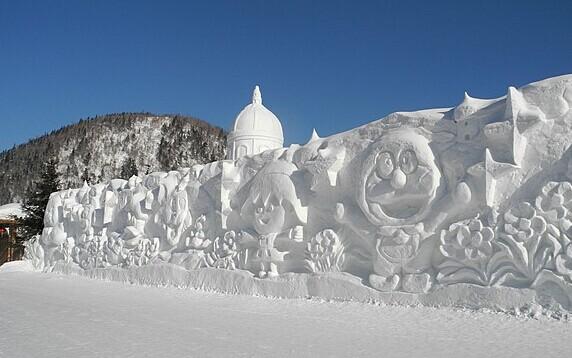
pixel 399 206
pixel 263 220
pixel 399 201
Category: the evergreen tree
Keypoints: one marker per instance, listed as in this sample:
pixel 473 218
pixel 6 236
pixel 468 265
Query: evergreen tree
pixel 128 169
pixel 37 199
pixel 85 175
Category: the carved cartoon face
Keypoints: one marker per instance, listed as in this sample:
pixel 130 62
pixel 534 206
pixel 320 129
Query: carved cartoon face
pixel 272 205
pixel 84 219
pixel 270 216
pixel 153 181
pixel 399 178
pixel 176 210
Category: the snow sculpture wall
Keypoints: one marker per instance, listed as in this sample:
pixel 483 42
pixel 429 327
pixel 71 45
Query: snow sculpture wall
pixel 480 194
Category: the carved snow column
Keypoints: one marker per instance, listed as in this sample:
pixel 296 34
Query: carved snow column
pixel 230 180
pixel 53 234
pixel 496 174
pixel 109 200
pixel 95 202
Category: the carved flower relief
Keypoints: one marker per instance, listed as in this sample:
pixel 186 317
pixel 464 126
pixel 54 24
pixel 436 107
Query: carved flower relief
pixel 227 244
pixel 469 250
pixel 141 254
pixel 467 241
pixel 90 254
pixel 555 204
pixel 113 250
pixel 563 262
pixel 223 252
pixel 197 239
pixel 522 222
pixel 325 252
pixel 322 244
pixel 528 245
pixel 66 249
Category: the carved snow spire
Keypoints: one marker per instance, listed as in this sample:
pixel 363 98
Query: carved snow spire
pixel 256 95
pixel 83 191
pixel 465 109
pixel 511 109
pixel 519 110
pixel 314 136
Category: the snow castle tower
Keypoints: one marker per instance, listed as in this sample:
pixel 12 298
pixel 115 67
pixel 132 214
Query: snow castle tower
pixel 255 130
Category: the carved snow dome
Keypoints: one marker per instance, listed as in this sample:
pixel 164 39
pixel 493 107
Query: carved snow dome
pixel 255 130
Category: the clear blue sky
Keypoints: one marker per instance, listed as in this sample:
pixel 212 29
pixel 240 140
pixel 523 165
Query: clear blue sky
pixel 332 65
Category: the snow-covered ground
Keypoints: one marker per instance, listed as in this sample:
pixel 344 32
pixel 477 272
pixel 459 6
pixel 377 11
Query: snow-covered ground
pixel 7 210
pixel 51 315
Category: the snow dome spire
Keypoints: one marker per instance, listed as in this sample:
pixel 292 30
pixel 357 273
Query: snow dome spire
pixel 255 130
pixel 256 95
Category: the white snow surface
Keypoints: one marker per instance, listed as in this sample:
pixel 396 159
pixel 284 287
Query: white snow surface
pixel 50 315
pixel 6 211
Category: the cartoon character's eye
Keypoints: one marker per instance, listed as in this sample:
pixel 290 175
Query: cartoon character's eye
pixel 408 161
pixel 259 210
pixel 384 165
pixel 270 208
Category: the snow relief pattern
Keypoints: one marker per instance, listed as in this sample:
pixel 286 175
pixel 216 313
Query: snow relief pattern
pixel 479 194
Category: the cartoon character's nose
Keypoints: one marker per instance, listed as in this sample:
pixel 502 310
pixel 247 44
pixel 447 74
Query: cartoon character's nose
pixel 399 179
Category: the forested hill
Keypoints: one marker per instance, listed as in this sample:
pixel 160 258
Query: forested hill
pixel 101 148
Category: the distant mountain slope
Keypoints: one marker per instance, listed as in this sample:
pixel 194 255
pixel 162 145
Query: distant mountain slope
pixel 97 148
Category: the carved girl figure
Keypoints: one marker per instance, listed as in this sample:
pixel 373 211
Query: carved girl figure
pixel 276 215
